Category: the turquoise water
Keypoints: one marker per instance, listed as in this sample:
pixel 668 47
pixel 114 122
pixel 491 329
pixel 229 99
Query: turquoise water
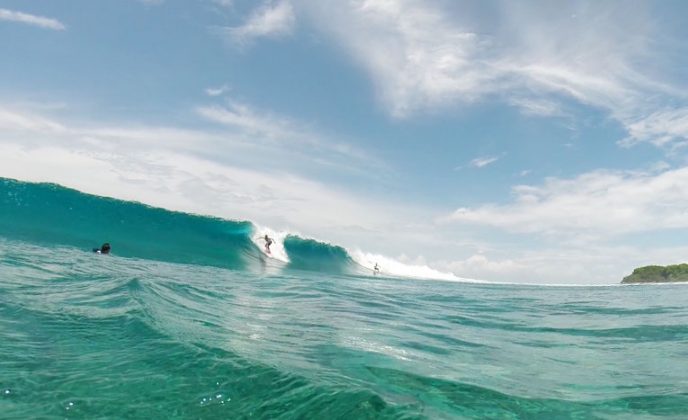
pixel 188 319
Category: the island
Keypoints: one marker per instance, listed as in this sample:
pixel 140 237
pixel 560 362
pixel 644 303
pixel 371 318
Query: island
pixel 658 274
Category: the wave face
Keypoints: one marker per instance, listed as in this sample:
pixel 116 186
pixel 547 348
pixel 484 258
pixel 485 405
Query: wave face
pixel 52 215
pixel 309 254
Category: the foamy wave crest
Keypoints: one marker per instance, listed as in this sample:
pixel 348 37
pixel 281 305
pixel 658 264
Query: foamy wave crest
pixel 277 250
pixel 392 267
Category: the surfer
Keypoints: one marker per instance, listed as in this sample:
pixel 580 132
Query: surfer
pixel 376 269
pixel 105 249
pixel 268 242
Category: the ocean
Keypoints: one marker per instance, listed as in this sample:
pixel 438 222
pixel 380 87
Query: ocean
pixel 188 318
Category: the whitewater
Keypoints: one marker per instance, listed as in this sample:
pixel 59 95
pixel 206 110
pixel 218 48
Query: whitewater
pixel 189 318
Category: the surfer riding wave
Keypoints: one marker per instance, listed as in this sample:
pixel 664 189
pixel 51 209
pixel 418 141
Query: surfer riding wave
pixel 268 241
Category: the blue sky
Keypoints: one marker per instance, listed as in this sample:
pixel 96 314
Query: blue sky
pixel 527 141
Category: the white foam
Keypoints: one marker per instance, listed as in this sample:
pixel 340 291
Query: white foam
pixel 391 267
pixel 388 266
pixel 277 250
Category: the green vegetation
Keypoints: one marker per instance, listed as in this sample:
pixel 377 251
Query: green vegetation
pixel 658 274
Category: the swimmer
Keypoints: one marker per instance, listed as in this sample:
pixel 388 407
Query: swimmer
pixel 105 249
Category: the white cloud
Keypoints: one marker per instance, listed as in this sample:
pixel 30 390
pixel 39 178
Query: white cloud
pixel 40 21
pixel 598 204
pixel 424 54
pixel 290 136
pixel 246 136
pixel 538 107
pixel 270 20
pixel 663 127
pixel 480 266
pixel 589 265
pixel 481 162
pixel 415 55
pixel 13 120
pixel 217 91
pixel 246 118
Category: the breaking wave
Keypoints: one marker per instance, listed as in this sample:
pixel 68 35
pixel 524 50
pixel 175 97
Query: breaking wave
pixel 52 215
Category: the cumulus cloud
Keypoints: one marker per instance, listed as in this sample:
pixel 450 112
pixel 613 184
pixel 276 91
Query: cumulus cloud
pixel 596 204
pixel 481 267
pixel 589 265
pixel 39 21
pixel 270 20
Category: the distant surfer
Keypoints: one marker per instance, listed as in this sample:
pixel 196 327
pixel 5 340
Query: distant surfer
pixel 105 249
pixel 268 242
pixel 376 269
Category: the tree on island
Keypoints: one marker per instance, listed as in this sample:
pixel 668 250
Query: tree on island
pixel 658 274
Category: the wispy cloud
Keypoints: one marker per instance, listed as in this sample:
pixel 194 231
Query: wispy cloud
pixel 244 136
pixel 246 118
pixel 481 162
pixel 533 56
pixel 34 20
pixel 666 127
pixel 537 107
pixel 288 135
pixel 11 120
pixel 273 19
pixel 427 61
pixel 217 91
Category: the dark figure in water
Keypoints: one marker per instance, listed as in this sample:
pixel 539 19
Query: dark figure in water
pixel 376 269
pixel 105 249
pixel 268 242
